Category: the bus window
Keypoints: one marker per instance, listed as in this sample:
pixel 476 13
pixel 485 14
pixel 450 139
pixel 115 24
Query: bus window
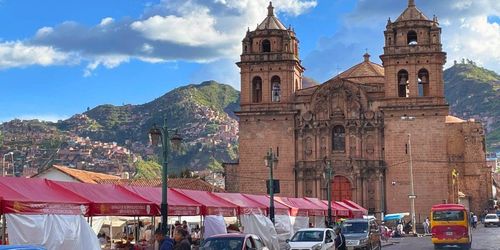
pixel 448 216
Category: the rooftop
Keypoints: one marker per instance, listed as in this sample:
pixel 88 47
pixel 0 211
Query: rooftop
pixel 82 175
pixel 181 183
pixel 271 22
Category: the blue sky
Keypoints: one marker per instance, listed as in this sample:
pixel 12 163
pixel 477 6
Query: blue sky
pixel 59 57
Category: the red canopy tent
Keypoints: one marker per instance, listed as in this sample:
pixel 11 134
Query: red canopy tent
pixel 337 210
pixel 353 212
pixel 279 209
pixel 211 204
pixel 39 196
pixel 245 205
pixel 302 206
pixel 107 199
pixel 178 204
pixel 355 205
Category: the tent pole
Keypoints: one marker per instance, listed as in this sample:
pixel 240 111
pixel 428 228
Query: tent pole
pixel 4 224
pixel 137 230
pixel 91 221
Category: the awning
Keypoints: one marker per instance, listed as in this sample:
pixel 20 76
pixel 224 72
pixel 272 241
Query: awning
pixel 107 199
pixel 279 209
pixel 353 212
pixel 245 205
pixel 355 205
pixel 178 204
pixel 301 206
pixel 338 210
pixel 211 204
pixel 39 196
pixel 397 216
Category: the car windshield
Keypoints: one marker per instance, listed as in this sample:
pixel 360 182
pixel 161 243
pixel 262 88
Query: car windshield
pixel 355 227
pixel 491 216
pixel 448 215
pixel 307 236
pixel 223 243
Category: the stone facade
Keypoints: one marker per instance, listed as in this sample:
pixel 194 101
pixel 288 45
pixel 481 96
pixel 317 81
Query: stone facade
pixel 371 123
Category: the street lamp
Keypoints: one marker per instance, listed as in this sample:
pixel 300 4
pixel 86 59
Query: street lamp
pixel 3 161
pixel 160 137
pixel 329 172
pixel 412 190
pixel 271 160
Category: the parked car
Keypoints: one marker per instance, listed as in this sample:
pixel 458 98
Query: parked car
pixel 491 220
pixel 362 234
pixel 234 241
pixel 312 239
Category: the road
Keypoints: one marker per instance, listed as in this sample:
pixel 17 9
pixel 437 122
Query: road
pixel 482 239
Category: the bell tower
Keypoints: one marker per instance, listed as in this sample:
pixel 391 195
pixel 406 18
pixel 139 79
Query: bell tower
pixel 270 67
pixel 413 57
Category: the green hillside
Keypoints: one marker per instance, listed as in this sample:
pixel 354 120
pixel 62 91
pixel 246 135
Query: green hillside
pixel 474 92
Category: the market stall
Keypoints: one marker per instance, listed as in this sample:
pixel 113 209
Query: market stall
pixel 282 221
pixel 214 209
pixel 252 216
pixel 356 205
pixel 38 212
pixel 353 212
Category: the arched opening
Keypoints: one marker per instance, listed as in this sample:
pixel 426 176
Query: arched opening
pixel 296 84
pixel 403 84
pixel 266 46
pixel 338 138
pixel 341 188
pixel 411 38
pixel 257 89
pixel 423 82
pixel 276 88
pixel 246 48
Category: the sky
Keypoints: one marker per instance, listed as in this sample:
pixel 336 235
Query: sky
pixel 58 58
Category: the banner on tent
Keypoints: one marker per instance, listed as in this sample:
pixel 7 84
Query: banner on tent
pixel 18 207
pixel 224 211
pixel 124 209
pixel 183 211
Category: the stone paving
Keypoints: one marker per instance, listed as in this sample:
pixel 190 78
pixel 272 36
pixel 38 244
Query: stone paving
pixel 482 239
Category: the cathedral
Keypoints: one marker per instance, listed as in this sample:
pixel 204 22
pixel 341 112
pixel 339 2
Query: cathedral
pixel 383 129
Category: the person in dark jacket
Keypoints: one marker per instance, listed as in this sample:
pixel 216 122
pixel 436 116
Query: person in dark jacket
pixel 340 240
pixel 181 240
pixel 164 242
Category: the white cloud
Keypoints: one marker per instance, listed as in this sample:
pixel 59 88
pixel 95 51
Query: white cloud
pixel 106 21
pixel 476 39
pixel 172 30
pixel 18 54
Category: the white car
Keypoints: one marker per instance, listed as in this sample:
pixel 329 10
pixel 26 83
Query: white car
pixel 491 219
pixel 313 239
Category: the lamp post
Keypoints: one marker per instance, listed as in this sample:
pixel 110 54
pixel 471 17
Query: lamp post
pixel 3 161
pixel 412 190
pixel 329 172
pixel 271 160
pixel 160 137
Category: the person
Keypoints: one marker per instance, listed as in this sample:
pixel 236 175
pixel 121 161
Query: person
pixel 181 241
pixel 102 238
pixel 164 242
pixel 383 232
pixel 339 240
pixel 474 221
pixel 186 226
pixel 426 227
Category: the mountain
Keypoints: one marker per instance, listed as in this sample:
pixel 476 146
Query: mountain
pixel 474 92
pixel 202 114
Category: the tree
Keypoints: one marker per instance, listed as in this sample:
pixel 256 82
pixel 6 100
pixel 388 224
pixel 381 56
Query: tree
pixel 147 170
pixel 214 165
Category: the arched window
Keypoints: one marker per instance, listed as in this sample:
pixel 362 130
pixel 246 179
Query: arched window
pixel 423 82
pixel 338 138
pixel 275 88
pixel 246 49
pixel 403 89
pixel 257 89
pixel 296 84
pixel 411 38
pixel 266 46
